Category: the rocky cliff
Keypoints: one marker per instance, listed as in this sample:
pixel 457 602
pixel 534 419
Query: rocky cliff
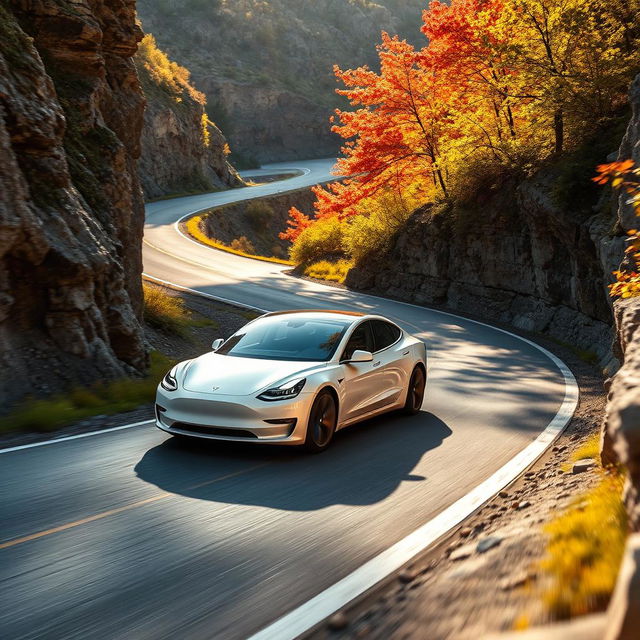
pixel 182 150
pixel 71 210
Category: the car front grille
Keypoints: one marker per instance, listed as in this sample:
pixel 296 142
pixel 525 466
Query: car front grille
pixel 214 431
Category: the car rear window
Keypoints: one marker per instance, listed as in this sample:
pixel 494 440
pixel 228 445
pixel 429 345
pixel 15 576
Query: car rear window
pixel 384 334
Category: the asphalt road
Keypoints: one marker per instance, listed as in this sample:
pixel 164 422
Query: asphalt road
pixel 141 537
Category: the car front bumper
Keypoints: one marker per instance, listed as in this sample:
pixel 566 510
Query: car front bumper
pixel 233 418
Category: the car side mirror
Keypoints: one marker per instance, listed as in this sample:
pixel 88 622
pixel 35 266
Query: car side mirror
pixel 359 355
pixel 217 343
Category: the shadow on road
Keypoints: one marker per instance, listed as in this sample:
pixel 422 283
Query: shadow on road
pixel 365 464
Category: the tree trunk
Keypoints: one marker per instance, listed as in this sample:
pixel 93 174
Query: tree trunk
pixel 558 127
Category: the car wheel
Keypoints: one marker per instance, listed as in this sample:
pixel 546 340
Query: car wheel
pixel 415 392
pixel 322 422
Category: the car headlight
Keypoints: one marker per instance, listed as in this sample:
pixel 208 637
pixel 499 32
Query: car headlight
pixel 169 382
pixel 284 392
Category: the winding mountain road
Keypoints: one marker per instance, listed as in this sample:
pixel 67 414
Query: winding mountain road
pixel 128 534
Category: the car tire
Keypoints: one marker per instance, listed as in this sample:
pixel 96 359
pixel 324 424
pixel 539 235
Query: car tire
pixel 323 419
pixel 415 392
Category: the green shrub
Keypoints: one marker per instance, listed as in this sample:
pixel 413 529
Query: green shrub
pixel 372 231
pixel 322 239
pixel 259 214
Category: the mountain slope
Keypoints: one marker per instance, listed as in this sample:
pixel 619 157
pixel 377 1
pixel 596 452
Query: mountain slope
pixel 266 67
pixel 182 150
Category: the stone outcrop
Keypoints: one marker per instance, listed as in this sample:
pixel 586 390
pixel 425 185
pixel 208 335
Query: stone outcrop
pixel 620 442
pixel 522 261
pixel 182 151
pixel 71 210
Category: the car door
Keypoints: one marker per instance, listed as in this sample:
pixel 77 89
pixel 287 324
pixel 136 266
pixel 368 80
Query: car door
pixel 361 379
pixel 390 353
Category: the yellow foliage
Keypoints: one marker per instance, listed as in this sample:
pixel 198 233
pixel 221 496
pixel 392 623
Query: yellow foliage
pixel 206 136
pixel 332 271
pixel 585 549
pixel 164 311
pixel 322 239
pixel 164 72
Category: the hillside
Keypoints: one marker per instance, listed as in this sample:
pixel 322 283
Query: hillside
pixel 266 67
pixel 182 150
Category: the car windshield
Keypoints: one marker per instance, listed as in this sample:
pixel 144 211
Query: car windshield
pixel 287 338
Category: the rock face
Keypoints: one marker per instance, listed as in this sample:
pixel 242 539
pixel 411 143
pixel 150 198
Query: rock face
pixel 71 211
pixel 181 149
pixel 522 261
pixel 267 124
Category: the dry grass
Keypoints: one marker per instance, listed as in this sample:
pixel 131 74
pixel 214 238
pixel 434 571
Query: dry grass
pixel 192 226
pixel 590 448
pixel 585 548
pixel 325 270
pixel 106 398
pixel 169 313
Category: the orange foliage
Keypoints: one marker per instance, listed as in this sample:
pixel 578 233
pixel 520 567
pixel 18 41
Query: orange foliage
pixel 624 175
pixel 504 82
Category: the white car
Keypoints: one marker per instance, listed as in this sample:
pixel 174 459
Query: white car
pixel 294 377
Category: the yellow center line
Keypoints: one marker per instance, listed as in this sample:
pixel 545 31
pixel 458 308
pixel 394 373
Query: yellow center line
pixel 127 507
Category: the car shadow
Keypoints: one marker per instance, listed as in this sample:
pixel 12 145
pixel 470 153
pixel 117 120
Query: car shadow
pixel 365 464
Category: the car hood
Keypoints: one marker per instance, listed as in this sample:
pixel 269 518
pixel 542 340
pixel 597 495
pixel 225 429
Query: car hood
pixel 229 375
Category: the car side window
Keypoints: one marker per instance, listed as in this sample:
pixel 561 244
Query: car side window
pixel 384 334
pixel 361 338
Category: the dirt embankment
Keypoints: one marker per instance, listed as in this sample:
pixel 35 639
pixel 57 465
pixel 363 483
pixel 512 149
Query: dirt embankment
pixel 254 225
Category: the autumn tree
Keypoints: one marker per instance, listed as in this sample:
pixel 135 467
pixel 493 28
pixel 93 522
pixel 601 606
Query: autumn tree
pixel 501 83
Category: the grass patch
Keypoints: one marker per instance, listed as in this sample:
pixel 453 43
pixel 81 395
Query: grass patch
pixel 590 448
pixel 325 270
pixel 192 226
pixel 106 398
pixel 169 313
pixel 585 549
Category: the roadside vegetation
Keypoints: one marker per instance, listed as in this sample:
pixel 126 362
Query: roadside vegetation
pixel 585 547
pixel 48 414
pixel 163 312
pixel 169 313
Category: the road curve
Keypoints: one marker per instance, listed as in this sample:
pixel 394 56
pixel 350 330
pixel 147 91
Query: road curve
pixel 140 537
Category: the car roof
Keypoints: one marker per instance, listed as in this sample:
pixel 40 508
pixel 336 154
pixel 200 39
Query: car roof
pixel 315 312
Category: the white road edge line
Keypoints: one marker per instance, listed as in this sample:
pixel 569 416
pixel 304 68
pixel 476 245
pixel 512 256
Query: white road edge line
pixel 75 437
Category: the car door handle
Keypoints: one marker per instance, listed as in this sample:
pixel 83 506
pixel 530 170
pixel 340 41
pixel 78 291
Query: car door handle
pixel 376 364
pixel 406 353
